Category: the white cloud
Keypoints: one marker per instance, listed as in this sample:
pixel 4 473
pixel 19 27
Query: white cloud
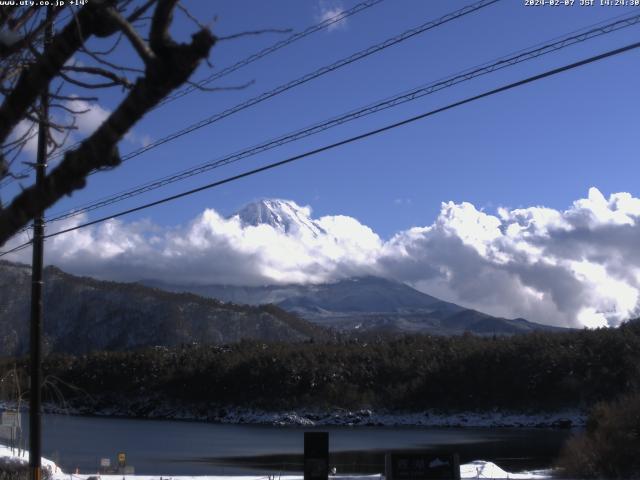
pixel 138 140
pixel 578 267
pixel 27 130
pixel 92 117
pixel 403 202
pixel 328 10
pixel 86 123
pixel 89 117
pixel 213 249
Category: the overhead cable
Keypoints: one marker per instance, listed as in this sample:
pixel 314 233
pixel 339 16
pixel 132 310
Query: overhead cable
pixel 341 16
pixel 400 99
pixel 346 141
pixel 311 76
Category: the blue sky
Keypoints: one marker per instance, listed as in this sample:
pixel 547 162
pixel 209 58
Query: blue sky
pixel 499 191
pixel 544 143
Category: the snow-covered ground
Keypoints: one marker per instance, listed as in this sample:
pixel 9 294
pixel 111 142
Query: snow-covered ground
pixel 9 456
pixel 478 469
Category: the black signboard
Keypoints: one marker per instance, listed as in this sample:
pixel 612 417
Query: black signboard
pixel 316 455
pixel 422 466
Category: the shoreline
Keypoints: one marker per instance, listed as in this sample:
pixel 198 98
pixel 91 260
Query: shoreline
pixel 562 419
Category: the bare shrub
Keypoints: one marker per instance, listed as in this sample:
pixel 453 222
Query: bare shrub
pixel 609 446
pixel 10 469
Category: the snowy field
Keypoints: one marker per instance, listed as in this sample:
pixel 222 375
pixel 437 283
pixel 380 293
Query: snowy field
pixel 477 469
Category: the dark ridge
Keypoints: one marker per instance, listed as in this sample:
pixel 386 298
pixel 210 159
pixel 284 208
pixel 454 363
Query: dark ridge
pixel 84 314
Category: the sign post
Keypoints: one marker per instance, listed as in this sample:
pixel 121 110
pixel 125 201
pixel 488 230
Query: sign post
pixel 105 465
pixel 316 455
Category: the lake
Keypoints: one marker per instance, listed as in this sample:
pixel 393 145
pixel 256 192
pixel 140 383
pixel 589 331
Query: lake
pixel 163 447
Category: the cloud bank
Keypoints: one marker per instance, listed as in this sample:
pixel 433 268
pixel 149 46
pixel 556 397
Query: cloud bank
pixel 577 267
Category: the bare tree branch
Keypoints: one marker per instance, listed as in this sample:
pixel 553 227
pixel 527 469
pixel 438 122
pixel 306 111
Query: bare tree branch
pixel 87 85
pixel 137 14
pixel 28 38
pixel 159 38
pixel 48 123
pixel 136 41
pixel 5 15
pixel 101 72
pixel 56 145
pixel 20 139
pixel 21 20
pixel 109 64
pixel 109 50
pixel 171 67
pixel 74 97
pixel 35 78
pixel 68 109
pixel 192 18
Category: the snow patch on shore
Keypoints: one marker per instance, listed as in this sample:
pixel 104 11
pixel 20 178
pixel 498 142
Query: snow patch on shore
pixel 477 469
pixel 10 457
pixel 155 408
pixel 363 417
pixel 564 419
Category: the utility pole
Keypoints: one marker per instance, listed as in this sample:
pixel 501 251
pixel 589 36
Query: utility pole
pixel 35 393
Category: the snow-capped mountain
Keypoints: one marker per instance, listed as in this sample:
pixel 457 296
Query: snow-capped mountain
pixel 284 215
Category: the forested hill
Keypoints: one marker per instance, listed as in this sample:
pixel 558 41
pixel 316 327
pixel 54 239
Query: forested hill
pixel 83 315
pixel 540 371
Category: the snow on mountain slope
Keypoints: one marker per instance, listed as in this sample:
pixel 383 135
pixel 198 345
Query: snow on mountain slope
pixel 364 295
pixel 364 304
pixel 283 215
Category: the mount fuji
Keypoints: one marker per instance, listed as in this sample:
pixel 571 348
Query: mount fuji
pixel 283 215
pixel 362 303
pixel 365 304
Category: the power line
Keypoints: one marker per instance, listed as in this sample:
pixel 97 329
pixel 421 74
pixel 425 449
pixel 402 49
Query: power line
pixel 349 140
pixel 273 48
pixel 236 66
pixel 521 56
pixel 299 81
pixel 17 249
pixel 311 76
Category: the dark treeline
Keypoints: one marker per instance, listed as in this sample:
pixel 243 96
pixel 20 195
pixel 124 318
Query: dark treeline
pixel 533 371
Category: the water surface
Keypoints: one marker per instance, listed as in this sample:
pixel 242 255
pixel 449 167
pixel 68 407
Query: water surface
pixel 164 447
